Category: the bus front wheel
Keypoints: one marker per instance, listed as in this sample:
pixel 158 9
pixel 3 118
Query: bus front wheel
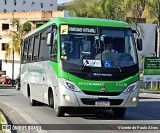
pixel 33 102
pixel 119 112
pixel 59 111
pixel 51 99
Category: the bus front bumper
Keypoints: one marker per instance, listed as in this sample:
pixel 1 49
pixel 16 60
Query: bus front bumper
pixel 69 98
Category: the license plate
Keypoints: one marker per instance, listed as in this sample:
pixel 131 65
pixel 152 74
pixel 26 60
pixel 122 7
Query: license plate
pixel 102 103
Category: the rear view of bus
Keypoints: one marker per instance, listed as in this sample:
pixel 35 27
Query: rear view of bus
pixel 95 67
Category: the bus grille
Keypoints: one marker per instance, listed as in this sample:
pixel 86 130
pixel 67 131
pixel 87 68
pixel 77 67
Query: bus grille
pixel 102 93
pixel 91 101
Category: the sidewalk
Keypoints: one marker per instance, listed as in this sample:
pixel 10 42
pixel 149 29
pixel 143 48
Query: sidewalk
pixel 7 86
pixel 150 91
pixel 4 122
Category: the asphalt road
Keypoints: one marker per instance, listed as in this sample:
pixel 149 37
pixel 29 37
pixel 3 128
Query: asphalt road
pixel 19 111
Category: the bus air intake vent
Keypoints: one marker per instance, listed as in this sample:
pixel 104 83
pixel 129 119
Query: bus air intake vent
pixel 102 93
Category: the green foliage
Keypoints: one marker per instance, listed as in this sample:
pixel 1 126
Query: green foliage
pixel 113 9
pixel 62 7
pixel 153 7
pixel 154 10
pixel 17 36
pixel 136 7
pixel 155 22
pixel 105 9
pixel 27 26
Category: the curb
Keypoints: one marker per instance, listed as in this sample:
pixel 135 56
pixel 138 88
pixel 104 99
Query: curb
pixel 4 122
pixel 7 87
pixel 151 92
pixel 19 117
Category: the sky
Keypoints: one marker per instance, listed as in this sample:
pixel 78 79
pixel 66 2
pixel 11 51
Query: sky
pixel 62 1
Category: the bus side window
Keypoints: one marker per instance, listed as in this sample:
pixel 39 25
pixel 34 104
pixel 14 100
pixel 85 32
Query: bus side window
pixel 25 50
pixel 30 49
pixel 54 46
pixel 40 46
pixel 44 49
pixel 36 48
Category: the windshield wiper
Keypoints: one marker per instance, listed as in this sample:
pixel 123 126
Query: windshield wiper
pixel 84 65
pixel 117 64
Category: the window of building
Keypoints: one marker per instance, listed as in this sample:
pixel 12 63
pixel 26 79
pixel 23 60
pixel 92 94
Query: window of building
pixel 15 2
pixel 5 11
pixel 37 25
pixel 5 26
pixel 41 5
pixel 14 10
pixel 5 1
pixel 32 3
pixel 4 46
pixel 51 4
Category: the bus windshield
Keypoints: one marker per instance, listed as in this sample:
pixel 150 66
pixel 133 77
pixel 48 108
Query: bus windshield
pixel 112 47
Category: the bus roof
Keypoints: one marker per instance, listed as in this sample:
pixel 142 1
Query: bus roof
pixel 81 21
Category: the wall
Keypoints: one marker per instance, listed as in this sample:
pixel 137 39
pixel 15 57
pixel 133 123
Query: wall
pixel 8 68
pixel 28 5
pixel 32 15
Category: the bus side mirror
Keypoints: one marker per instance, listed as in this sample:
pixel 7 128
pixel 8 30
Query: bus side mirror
pixel 49 36
pixel 136 32
pixel 139 44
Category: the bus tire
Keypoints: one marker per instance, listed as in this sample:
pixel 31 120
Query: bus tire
pixel 51 99
pixel 59 111
pixel 119 112
pixel 40 103
pixel 17 87
pixel 33 102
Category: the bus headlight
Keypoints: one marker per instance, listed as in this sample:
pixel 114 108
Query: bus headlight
pixel 69 85
pixel 132 87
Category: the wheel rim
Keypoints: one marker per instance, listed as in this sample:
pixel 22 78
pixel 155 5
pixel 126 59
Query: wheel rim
pixel 51 100
pixel 57 109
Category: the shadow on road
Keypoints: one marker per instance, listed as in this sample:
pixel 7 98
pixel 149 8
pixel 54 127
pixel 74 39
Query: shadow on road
pixel 146 110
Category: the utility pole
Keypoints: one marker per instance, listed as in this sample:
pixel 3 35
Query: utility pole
pixel 13 67
pixel 158 49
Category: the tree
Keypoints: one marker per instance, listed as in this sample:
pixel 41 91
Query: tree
pixel 17 34
pixel 111 9
pixel 79 8
pixel 105 9
pixel 154 10
pixel 153 7
pixel 135 7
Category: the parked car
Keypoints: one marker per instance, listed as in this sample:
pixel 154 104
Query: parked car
pixel 5 80
pixel 17 81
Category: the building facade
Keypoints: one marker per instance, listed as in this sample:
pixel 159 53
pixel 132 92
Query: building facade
pixel 27 5
pixel 37 18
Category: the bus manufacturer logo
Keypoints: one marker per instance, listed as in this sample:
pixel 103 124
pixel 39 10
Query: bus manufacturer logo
pixel 103 89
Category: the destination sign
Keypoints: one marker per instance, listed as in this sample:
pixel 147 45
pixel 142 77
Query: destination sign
pixel 83 30
pixel 65 29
